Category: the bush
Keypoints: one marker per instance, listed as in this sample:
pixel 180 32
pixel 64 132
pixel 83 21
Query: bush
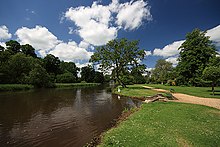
pixel 67 77
pixel 40 78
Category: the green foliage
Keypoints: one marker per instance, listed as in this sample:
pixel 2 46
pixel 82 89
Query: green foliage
pixel 67 77
pixel 19 66
pixel 52 64
pixel 99 77
pixel 69 67
pixel 195 54
pixel 138 78
pixel 118 56
pixel 13 46
pixel 162 71
pixel 212 73
pixel 167 124
pixel 87 74
pixel 28 50
pixel 39 77
pixel 127 79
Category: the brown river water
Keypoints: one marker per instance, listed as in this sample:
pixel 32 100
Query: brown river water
pixel 58 117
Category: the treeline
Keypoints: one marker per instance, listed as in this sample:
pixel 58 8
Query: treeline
pixel 19 64
pixel 199 64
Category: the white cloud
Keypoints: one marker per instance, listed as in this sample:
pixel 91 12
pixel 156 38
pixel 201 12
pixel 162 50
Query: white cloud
pixel 147 53
pixel 172 60
pixel 97 25
pixel 168 50
pixel 131 14
pixel 84 44
pixel 71 52
pixel 97 33
pixel 4 33
pixel 214 34
pixel 39 37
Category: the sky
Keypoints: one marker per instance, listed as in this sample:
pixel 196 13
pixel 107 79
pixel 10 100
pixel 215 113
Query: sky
pixel 72 29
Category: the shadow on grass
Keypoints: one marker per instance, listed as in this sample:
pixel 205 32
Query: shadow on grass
pixel 215 90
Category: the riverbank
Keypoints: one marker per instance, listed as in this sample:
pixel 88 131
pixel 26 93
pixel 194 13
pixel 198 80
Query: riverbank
pixel 166 124
pixel 20 87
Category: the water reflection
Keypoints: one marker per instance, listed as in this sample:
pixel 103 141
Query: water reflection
pixel 55 117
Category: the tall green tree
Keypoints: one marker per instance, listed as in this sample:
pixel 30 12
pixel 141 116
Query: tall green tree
pixel 13 46
pixel 27 49
pixel 52 64
pixel 195 54
pixel 87 74
pixel 69 67
pixel 162 71
pixel 212 73
pixel 118 56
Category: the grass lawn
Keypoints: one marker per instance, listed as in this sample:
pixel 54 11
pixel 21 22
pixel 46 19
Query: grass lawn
pixel 167 124
pixel 195 91
pixel 15 87
pixel 135 91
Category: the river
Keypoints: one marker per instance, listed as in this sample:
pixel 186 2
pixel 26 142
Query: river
pixel 58 117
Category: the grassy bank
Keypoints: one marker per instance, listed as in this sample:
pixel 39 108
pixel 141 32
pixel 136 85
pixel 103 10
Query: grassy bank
pixel 15 87
pixel 75 85
pixel 135 91
pixel 167 124
pixel 195 91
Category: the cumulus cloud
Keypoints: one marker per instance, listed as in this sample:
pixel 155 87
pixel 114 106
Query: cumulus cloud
pixel 46 42
pixel 4 33
pixel 71 52
pixel 214 35
pixel 131 14
pixel 98 24
pixel 172 60
pixel 39 37
pixel 168 50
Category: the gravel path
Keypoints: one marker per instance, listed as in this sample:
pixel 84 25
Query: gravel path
pixel 211 102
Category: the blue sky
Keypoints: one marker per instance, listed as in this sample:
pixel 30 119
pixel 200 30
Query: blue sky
pixel 71 29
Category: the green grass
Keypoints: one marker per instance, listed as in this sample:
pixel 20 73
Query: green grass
pixel 75 85
pixel 135 91
pixel 15 87
pixel 167 124
pixel 195 91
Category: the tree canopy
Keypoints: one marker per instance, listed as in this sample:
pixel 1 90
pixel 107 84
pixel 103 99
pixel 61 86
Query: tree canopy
pixel 162 71
pixel 195 54
pixel 118 56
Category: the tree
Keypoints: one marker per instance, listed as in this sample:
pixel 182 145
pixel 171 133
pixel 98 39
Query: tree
pixel 195 54
pixel 52 64
pixel 13 46
pixel 162 71
pixel 138 77
pixel 28 50
pixel 69 67
pixel 118 56
pixel 99 77
pixel 19 65
pixel 87 74
pixel 212 73
pixel 39 77
pixel 66 77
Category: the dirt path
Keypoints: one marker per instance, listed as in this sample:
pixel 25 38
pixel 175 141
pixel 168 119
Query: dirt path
pixel 211 102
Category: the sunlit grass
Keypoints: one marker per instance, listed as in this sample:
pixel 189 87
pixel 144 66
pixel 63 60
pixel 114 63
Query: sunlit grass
pixel 135 91
pixel 167 124
pixel 15 87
